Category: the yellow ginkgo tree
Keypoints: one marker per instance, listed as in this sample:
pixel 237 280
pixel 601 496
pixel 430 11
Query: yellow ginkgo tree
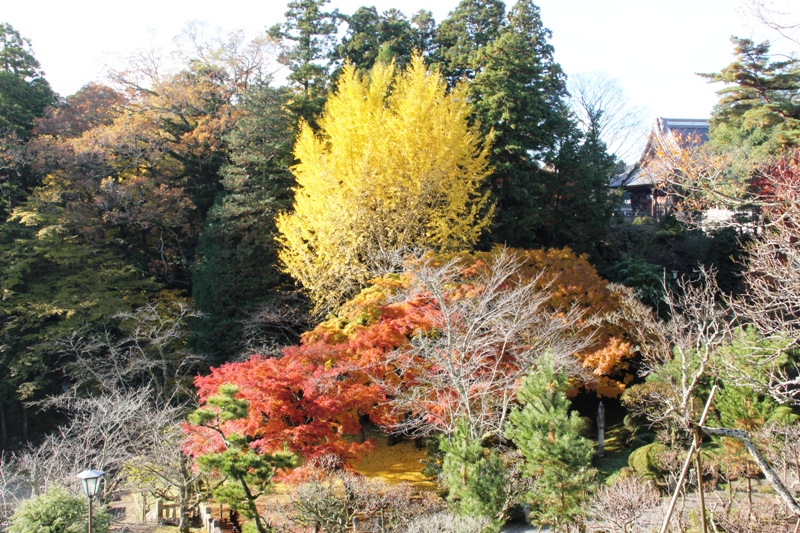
pixel 395 165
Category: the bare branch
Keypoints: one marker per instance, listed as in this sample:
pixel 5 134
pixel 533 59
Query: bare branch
pixel 622 506
pixel 487 334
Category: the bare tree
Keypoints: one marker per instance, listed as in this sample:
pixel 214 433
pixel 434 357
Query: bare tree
pixel 781 444
pixel 160 468
pixel 335 500
pixel 778 18
pixel 103 432
pixel 600 104
pixel 246 62
pixel 448 523
pixel 683 359
pixel 13 487
pixel 141 348
pixel 623 506
pixel 107 432
pixel 765 516
pixel 241 61
pixel 276 324
pixel 700 327
pixel 766 201
pixel 488 332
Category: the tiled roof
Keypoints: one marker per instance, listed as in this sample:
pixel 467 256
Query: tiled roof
pixel 694 130
pixel 683 131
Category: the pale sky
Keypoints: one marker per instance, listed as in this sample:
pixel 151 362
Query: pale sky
pixel 653 47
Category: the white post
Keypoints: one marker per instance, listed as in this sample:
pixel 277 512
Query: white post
pixel 601 430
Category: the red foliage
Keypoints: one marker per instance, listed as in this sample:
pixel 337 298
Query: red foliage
pixel 308 402
pixel 777 185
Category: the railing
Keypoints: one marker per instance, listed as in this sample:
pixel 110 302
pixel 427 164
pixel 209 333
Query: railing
pixel 163 511
pixel 210 523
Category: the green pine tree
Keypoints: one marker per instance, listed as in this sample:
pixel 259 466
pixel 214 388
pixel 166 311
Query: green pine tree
pixel 759 109
pixel 475 476
pixel 58 511
pixel 308 37
pixel 557 455
pixel 246 475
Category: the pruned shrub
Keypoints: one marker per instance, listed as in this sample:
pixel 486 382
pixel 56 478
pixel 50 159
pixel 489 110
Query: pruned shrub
pixel 57 511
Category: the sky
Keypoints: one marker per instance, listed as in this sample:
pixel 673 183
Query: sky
pixel 654 48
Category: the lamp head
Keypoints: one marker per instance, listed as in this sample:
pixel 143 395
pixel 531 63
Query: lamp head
pixel 90 479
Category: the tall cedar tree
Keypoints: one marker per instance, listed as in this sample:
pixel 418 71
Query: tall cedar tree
pixel 24 96
pixel 549 181
pixel 550 438
pixel 387 37
pixel 237 254
pixel 308 37
pixel 370 185
pixel 580 205
pixel 760 105
pixel 24 92
pixel 460 37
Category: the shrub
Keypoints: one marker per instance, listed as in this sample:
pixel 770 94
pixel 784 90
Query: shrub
pixel 645 460
pixel 57 511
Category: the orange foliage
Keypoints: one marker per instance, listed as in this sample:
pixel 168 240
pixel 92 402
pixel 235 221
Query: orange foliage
pixel 572 280
pixel 368 326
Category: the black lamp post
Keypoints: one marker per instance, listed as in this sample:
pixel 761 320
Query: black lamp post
pixel 90 479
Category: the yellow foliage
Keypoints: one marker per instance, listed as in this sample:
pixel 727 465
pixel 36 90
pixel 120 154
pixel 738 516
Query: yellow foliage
pixel 401 463
pixel 395 165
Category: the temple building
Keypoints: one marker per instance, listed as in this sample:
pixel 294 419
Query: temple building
pixel 641 194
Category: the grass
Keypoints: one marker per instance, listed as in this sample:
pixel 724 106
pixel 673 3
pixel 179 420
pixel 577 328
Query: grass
pixel 617 453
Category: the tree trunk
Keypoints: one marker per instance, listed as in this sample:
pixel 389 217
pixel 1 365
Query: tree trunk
pixel 24 424
pixel 251 504
pixel 184 495
pixel 144 506
pixel 797 463
pixel 183 512
pixel 3 428
pixel 749 494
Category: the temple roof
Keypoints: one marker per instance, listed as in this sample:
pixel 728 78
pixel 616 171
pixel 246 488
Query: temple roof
pixel 683 132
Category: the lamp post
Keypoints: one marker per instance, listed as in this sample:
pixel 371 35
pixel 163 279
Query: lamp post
pixel 601 430
pixel 90 479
